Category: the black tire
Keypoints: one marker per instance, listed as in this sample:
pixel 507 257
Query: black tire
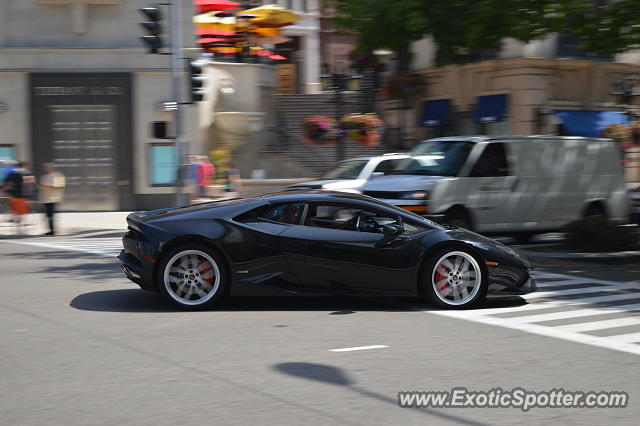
pixel 595 209
pixel 523 237
pixel 192 288
pixel 460 218
pixel 429 279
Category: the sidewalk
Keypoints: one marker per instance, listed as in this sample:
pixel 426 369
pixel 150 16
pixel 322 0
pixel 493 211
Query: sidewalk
pixel 71 223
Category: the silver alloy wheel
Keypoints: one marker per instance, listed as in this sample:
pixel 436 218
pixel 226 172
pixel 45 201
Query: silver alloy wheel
pixel 191 277
pixel 456 278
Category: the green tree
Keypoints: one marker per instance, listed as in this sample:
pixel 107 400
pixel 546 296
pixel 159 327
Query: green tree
pixel 458 27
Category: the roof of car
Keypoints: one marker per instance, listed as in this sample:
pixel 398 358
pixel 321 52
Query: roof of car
pixel 391 155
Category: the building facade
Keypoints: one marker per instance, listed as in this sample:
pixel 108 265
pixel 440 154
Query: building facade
pixel 82 92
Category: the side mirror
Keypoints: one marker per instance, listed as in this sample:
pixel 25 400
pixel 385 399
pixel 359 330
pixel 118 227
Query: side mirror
pixel 392 231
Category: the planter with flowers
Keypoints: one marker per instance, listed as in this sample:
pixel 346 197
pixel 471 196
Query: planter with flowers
pixel 320 130
pixel 628 136
pixel 365 129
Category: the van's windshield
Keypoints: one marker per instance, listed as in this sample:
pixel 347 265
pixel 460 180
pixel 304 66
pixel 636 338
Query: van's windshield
pixel 436 158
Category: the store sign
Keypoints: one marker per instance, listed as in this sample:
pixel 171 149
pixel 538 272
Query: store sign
pixel 78 91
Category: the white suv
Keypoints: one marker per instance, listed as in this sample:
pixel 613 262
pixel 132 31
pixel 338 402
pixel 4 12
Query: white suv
pixel 351 175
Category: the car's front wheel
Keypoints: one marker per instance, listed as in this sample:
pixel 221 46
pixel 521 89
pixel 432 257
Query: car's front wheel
pixel 453 278
pixel 192 277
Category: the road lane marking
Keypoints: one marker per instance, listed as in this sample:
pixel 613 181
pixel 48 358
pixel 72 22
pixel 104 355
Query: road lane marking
pixel 108 247
pixel 578 313
pixel 599 325
pixel 574 291
pixel 358 348
pixel 538 311
pixel 556 304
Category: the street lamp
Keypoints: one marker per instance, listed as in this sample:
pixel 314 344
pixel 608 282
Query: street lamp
pixel 338 83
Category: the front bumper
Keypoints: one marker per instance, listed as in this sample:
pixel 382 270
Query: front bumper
pixel 136 271
pixel 510 281
pixel 415 206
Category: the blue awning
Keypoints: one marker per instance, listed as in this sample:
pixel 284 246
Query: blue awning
pixel 491 108
pixel 588 123
pixel 435 113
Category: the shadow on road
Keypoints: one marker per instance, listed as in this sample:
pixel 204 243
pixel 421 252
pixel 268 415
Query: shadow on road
pixel 135 300
pixel 336 376
pixel 85 266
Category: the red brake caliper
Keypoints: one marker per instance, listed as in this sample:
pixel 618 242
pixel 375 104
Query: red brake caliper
pixel 439 276
pixel 210 279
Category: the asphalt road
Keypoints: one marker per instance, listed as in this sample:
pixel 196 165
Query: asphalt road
pixel 79 344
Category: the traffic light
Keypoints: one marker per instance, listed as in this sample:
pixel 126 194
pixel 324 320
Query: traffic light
pixel 152 28
pixel 196 80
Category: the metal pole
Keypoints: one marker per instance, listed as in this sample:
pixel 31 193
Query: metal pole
pixel 176 81
pixel 338 82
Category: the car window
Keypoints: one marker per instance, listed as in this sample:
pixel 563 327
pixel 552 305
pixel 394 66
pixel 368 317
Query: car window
pixel 386 166
pixel 436 158
pixel 290 213
pixel 492 162
pixel 348 218
pixel 346 170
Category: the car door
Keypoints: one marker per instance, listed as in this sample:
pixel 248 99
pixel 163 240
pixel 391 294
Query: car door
pixel 257 253
pixel 334 251
pixel 491 184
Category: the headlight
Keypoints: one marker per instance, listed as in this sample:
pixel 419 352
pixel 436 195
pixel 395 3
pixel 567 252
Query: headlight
pixel 414 195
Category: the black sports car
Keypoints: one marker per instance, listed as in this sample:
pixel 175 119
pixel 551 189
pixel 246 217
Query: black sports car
pixel 314 242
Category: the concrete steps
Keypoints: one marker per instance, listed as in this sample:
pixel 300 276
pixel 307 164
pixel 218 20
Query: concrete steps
pixel 292 110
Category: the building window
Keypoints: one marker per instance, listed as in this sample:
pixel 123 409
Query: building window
pixel 162 164
pixel 7 152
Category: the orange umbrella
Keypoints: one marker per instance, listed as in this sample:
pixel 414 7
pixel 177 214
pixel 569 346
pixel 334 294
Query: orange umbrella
pixel 271 15
pixel 213 5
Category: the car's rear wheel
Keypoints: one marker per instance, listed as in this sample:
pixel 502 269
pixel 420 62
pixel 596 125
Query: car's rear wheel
pixel 453 278
pixel 192 277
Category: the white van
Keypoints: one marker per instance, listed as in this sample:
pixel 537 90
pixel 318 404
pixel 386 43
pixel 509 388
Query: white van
pixel 521 185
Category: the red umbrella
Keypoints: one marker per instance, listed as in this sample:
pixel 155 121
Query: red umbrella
pixel 212 5
pixel 211 40
pixel 277 58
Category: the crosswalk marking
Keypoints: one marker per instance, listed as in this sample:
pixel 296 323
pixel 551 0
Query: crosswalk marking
pixel 600 325
pixel 579 313
pixel 108 247
pixel 626 338
pixel 577 302
pixel 573 291
pixel 543 307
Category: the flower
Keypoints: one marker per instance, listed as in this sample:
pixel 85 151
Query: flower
pixel 320 130
pixel 366 129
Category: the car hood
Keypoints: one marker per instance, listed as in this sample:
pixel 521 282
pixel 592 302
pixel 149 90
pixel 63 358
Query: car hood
pixel 402 183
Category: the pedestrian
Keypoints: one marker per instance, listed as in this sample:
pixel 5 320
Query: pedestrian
pixel 19 184
pixel 52 185
pixel 232 176
pixel 194 175
pixel 207 174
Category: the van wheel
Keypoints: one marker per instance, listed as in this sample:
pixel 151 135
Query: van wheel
pixel 523 237
pixel 596 209
pixel 458 217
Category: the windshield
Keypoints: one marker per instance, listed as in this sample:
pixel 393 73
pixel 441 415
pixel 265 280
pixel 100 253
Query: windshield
pixel 437 158
pixel 346 170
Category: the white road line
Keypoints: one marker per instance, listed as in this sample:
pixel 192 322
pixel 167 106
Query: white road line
pixel 537 295
pixel 599 325
pixel 101 251
pixel 626 338
pixel 358 348
pixel 577 313
pixel 547 305
pixel 603 342
pixel 561 277
pixel 559 283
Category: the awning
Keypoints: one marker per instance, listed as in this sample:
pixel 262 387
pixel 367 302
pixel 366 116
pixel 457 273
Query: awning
pixel 491 108
pixel 588 123
pixel 435 113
